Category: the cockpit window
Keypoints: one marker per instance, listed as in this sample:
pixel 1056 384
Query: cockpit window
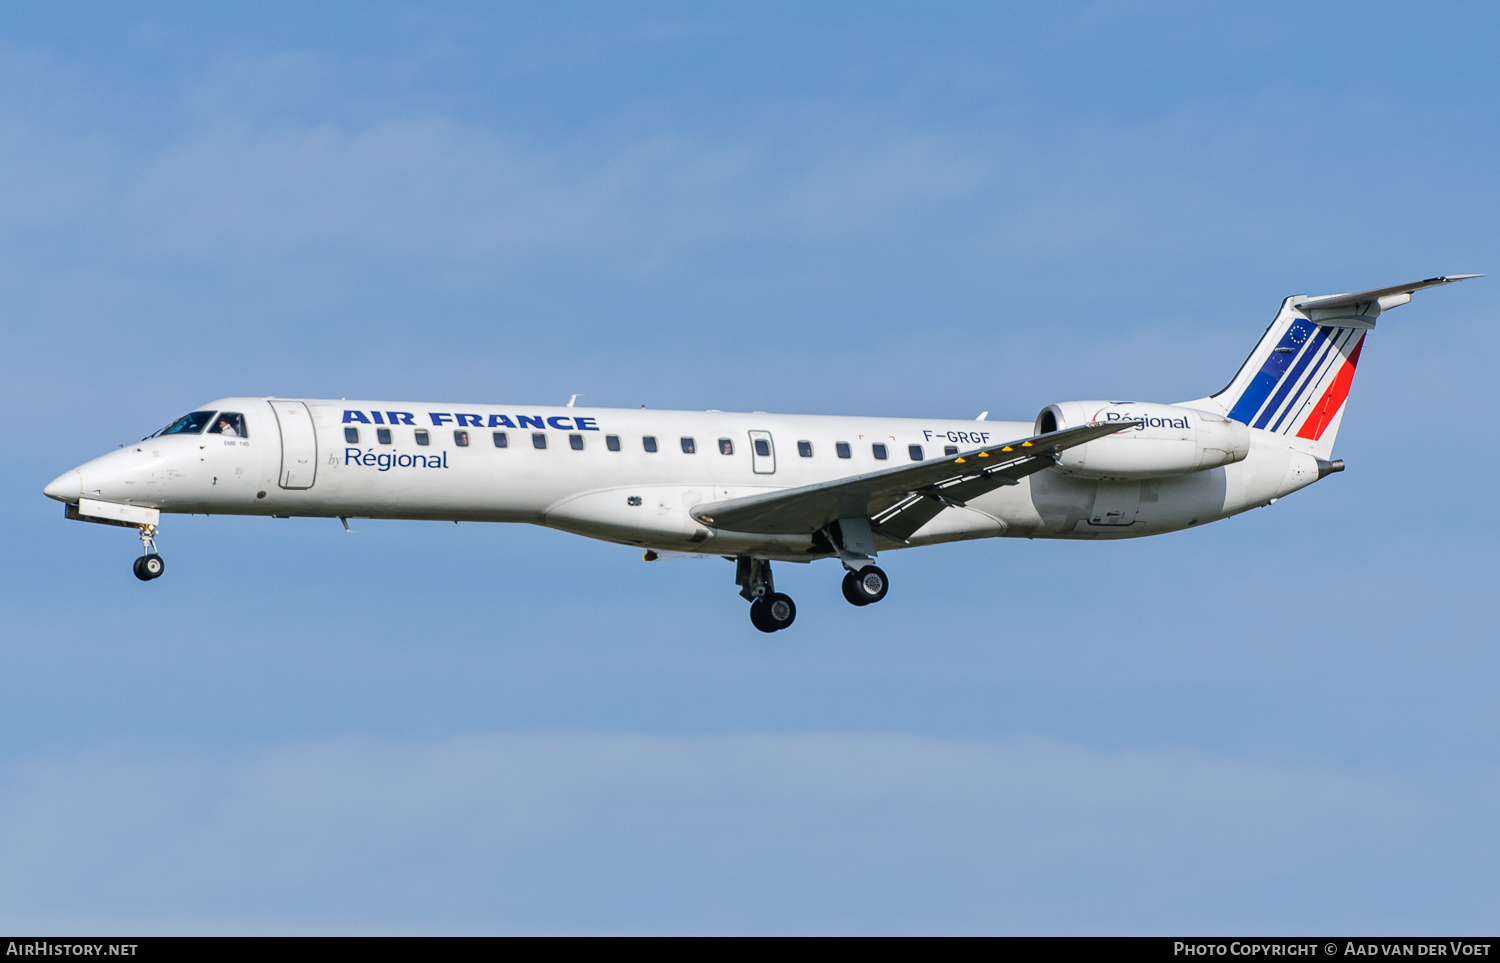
pixel 229 424
pixel 191 424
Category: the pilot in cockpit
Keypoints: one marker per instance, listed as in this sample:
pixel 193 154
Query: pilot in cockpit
pixel 229 424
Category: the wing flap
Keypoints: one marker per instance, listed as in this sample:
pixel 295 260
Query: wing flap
pixel 892 492
pixel 902 520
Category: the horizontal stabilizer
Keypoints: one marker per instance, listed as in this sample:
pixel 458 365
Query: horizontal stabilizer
pixel 1366 297
pixel 885 495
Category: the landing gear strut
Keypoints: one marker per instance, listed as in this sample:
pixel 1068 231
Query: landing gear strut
pixel 150 565
pixel 770 610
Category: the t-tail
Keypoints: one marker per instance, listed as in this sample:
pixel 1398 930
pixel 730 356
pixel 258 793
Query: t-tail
pixel 1298 377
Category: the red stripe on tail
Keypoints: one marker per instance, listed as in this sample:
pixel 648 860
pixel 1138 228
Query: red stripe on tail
pixel 1333 398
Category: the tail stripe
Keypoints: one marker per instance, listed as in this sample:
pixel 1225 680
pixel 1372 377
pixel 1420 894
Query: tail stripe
pixel 1333 399
pixel 1339 343
pixel 1293 377
pixel 1270 372
pixel 1345 341
pixel 1335 339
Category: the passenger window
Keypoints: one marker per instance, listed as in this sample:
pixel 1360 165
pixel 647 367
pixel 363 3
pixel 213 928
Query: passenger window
pixel 500 440
pixel 575 442
pixel 804 448
pixel 188 424
pixel 841 449
pixel 689 446
pixel 915 451
pixel 612 442
pixel 351 436
pixel 538 440
pixel 229 424
pixel 383 435
pixel 461 439
pixel 878 451
pixel 422 437
pixel 950 449
pixel 649 443
pixel 762 447
pixel 726 447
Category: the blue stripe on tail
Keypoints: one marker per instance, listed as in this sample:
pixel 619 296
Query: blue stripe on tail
pixel 1290 381
pixel 1330 349
pixel 1271 372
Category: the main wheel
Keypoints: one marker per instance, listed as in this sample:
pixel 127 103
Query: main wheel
pixel 148 567
pixel 867 585
pixel 773 613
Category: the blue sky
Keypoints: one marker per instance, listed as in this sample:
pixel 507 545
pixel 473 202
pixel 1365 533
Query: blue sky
pixel 1285 722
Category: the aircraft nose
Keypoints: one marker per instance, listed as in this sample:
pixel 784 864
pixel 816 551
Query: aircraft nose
pixel 65 487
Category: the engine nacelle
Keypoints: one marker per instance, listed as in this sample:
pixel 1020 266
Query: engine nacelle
pixel 1173 441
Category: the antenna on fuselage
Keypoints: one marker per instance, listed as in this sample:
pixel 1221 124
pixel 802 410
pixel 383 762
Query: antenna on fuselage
pixel 573 398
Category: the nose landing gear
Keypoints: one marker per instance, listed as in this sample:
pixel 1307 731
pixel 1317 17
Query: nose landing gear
pixel 150 565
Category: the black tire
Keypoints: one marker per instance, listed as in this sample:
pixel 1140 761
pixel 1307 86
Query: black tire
pixel 852 594
pixel 151 566
pixel 778 611
pixel 758 616
pixel 140 573
pixel 870 584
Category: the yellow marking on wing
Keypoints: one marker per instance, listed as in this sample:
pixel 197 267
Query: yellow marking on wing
pixel 984 454
pixel 960 461
pixel 1025 444
pixel 1007 448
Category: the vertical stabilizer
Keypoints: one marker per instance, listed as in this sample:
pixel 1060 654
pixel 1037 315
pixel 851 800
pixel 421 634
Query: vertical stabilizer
pixel 1298 377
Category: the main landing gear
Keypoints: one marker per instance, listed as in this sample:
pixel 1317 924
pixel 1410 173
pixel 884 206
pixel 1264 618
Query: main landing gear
pixel 867 585
pixel 773 613
pixel 150 565
pixel 853 541
pixel 770 610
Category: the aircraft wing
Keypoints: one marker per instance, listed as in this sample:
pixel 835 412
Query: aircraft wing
pixel 899 500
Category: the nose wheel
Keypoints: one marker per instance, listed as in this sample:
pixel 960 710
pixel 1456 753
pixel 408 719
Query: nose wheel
pixel 150 565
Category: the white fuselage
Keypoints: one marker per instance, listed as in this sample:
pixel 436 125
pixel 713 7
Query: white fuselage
pixel 296 461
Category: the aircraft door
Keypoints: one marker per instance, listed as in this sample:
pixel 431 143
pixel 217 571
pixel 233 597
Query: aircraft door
pixel 762 453
pixel 299 444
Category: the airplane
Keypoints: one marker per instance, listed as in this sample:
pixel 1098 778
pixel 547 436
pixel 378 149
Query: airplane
pixel 758 488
